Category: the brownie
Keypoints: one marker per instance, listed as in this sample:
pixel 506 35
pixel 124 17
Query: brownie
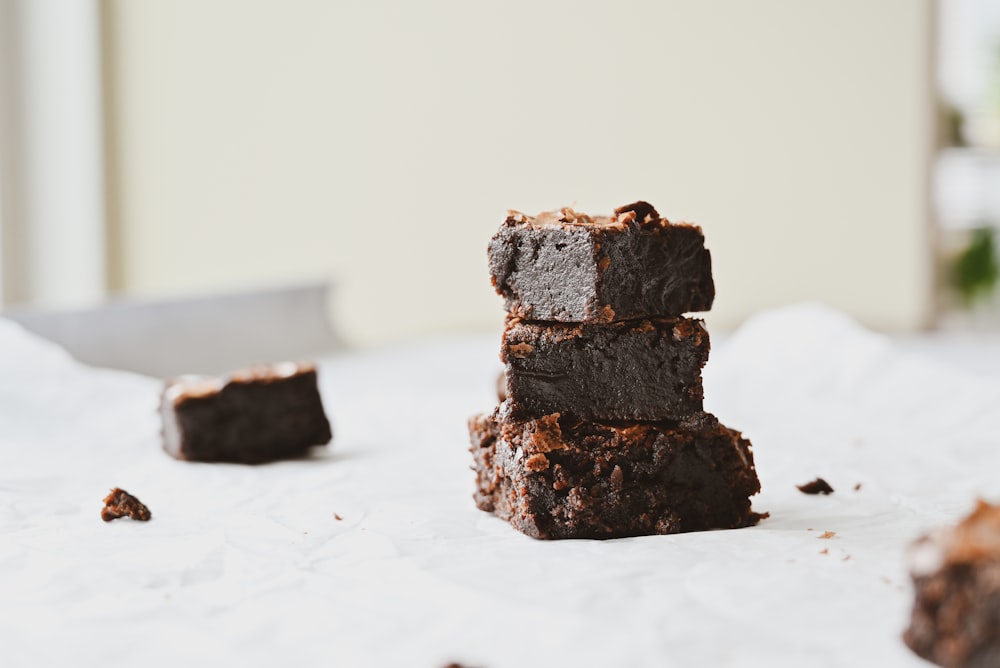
pixel 817 486
pixel 562 478
pixel 956 575
pixel 636 370
pixel 570 267
pixel 120 503
pixel 253 416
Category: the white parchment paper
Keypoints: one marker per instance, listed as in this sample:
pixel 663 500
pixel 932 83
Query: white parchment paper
pixel 250 565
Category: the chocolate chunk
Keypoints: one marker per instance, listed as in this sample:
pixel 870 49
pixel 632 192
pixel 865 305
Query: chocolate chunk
pixel 606 481
pixel 570 267
pixel 257 415
pixel 956 576
pixel 817 486
pixel 638 370
pixel 120 503
pixel 643 212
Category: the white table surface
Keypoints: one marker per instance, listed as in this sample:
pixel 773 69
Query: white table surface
pixel 248 565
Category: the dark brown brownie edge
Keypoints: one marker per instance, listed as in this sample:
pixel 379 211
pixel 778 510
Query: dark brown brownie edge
pixel 483 433
pixel 554 478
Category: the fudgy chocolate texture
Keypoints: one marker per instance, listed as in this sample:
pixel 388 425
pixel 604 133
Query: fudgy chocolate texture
pixel 637 370
pixel 254 416
pixel 956 575
pixel 559 478
pixel 571 267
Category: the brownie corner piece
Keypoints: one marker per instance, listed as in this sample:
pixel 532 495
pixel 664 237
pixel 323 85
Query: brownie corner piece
pixel 255 415
pixel 568 266
pixel 554 477
pixel 955 621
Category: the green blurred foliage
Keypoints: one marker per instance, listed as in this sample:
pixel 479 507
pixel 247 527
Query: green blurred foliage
pixel 976 269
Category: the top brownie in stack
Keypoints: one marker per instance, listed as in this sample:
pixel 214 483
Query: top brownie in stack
pixel 569 267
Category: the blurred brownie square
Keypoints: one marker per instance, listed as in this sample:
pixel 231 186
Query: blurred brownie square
pixel 570 267
pixel 256 415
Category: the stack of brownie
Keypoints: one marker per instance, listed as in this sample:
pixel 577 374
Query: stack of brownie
pixel 601 432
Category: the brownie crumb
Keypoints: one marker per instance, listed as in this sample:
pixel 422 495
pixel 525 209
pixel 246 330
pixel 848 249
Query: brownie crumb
pixel 824 551
pixel 857 488
pixel 817 486
pixel 827 534
pixel 337 517
pixel 120 503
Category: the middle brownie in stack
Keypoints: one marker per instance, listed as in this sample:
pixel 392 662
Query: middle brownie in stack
pixel 602 432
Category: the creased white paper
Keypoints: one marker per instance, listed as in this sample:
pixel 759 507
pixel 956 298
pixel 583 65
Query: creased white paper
pixel 250 565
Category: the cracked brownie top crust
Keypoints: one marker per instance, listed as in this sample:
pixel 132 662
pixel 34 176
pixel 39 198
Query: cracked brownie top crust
pixel 558 477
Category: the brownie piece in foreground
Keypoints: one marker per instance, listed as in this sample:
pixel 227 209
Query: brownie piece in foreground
pixel 559 478
pixel 956 574
pixel 257 415
pixel 636 370
pixel 571 267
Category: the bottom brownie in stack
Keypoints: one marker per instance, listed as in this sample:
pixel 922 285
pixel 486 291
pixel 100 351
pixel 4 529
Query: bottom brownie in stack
pixel 559 478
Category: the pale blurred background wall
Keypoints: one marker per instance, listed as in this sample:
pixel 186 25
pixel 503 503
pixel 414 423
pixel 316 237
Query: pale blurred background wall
pixel 380 143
